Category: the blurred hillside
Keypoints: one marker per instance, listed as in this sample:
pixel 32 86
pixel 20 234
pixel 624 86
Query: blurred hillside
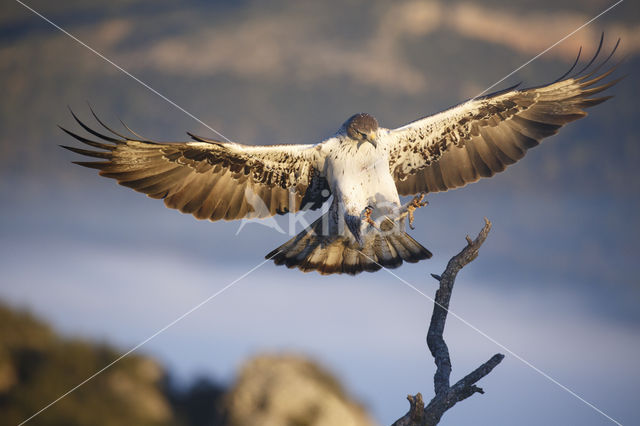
pixel 37 366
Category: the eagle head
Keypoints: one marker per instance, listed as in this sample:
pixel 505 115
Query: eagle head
pixel 362 128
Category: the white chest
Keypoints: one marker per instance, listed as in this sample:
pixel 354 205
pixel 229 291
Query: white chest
pixel 361 176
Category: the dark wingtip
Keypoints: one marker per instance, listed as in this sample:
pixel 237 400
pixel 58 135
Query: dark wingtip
pixel 92 164
pixel 572 67
pixel 595 55
pixel 87 141
pixel 140 138
pixel 195 137
pixel 104 125
pixel 90 130
pixel 88 153
pixel 203 139
pixel 595 70
pixel 501 91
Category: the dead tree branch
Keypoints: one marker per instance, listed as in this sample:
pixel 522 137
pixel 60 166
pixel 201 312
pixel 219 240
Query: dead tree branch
pixel 447 396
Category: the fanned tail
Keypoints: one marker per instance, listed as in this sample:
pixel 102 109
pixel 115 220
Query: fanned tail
pixel 310 250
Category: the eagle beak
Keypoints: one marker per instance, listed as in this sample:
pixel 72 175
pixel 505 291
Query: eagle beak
pixel 372 139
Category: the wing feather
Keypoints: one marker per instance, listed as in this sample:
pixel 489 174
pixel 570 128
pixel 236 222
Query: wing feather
pixel 210 179
pixel 483 136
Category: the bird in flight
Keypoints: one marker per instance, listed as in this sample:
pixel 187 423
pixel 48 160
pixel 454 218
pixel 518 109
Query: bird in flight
pixel 365 168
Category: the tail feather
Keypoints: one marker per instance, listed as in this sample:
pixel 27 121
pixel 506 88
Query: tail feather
pixel 351 261
pixel 415 249
pixel 399 247
pixel 337 254
pixel 368 258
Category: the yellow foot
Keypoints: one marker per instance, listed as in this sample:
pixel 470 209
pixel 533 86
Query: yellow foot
pixel 414 204
pixel 367 216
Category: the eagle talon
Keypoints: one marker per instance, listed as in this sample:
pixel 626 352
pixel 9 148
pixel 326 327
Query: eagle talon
pixel 414 204
pixel 367 216
pixel 411 219
pixel 417 202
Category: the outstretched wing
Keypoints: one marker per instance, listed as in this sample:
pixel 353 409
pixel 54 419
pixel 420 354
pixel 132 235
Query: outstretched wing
pixel 211 179
pixel 483 136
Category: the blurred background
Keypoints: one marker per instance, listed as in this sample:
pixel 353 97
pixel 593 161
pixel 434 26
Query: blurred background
pixel 90 269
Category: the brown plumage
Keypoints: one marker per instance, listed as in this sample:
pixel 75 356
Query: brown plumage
pixel 312 250
pixel 209 178
pixel 482 137
pixel 363 166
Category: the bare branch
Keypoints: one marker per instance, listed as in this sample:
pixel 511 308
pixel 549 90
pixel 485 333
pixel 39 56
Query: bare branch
pixel 447 396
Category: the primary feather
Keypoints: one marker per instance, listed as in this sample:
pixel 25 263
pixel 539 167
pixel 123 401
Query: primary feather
pixel 363 166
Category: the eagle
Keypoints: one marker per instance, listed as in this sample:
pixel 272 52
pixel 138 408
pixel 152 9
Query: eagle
pixel 363 168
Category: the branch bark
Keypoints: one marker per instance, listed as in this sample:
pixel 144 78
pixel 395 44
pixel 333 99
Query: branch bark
pixel 446 396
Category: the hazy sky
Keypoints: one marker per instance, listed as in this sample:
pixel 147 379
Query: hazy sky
pixel 556 281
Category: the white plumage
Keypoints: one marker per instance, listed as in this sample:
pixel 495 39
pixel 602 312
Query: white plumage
pixel 365 167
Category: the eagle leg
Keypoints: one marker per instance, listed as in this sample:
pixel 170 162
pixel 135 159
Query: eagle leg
pixel 409 208
pixel 366 216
